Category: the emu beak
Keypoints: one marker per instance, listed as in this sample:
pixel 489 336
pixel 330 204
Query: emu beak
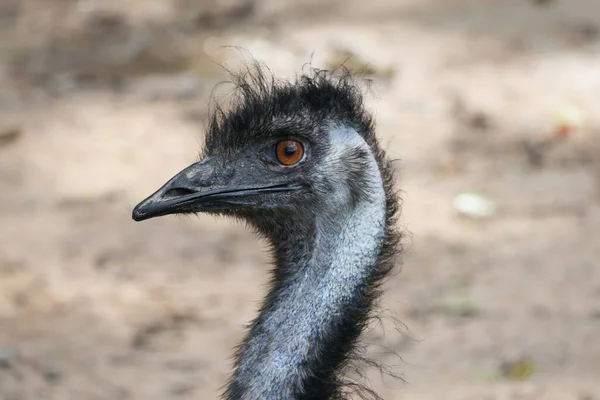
pixel 200 188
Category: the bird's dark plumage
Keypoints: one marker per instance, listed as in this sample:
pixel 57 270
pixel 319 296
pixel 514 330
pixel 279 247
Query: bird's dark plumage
pixel 330 218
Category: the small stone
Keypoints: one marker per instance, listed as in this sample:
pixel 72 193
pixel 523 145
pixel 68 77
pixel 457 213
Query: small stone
pixel 480 121
pixel 473 205
pixel 9 135
pixel 7 357
pixel 52 376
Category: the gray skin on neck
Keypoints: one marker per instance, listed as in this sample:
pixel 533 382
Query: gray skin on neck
pixel 341 247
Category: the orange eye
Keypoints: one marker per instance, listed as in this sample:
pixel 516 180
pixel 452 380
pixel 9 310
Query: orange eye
pixel 289 152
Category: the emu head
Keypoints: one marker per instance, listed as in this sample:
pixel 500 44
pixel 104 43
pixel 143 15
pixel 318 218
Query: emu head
pixel 282 153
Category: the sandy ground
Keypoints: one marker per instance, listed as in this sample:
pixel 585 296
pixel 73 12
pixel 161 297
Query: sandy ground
pixel 102 101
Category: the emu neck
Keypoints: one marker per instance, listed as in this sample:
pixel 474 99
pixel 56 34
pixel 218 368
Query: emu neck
pixel 323 288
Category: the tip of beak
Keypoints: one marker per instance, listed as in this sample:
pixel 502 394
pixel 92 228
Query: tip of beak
pixel 139 214
pixel 136 215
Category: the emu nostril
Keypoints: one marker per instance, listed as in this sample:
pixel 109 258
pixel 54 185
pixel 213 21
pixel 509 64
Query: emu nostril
pixel 178 192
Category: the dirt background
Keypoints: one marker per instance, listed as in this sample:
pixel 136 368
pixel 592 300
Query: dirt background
pixel 102 100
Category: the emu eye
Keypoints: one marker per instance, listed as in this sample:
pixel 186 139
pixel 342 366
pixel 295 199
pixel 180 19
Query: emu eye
pixel 289 152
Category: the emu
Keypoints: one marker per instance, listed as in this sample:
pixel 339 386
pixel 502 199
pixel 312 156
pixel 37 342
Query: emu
pixel 299 162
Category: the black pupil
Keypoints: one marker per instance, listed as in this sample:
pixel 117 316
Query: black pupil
pixel 290 149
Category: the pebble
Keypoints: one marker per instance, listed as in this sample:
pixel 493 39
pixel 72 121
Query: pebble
pixel 9 135
pixel 474 205
pixel 7 356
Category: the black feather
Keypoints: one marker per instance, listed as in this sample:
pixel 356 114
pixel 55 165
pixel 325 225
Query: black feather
pixel 320 97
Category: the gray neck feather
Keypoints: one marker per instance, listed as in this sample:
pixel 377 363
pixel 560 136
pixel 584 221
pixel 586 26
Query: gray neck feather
pixel 339 254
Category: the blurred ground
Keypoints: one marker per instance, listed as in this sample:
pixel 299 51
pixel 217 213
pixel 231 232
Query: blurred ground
pixel 102 101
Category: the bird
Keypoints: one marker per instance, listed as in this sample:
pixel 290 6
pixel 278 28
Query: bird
pixel 298 160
